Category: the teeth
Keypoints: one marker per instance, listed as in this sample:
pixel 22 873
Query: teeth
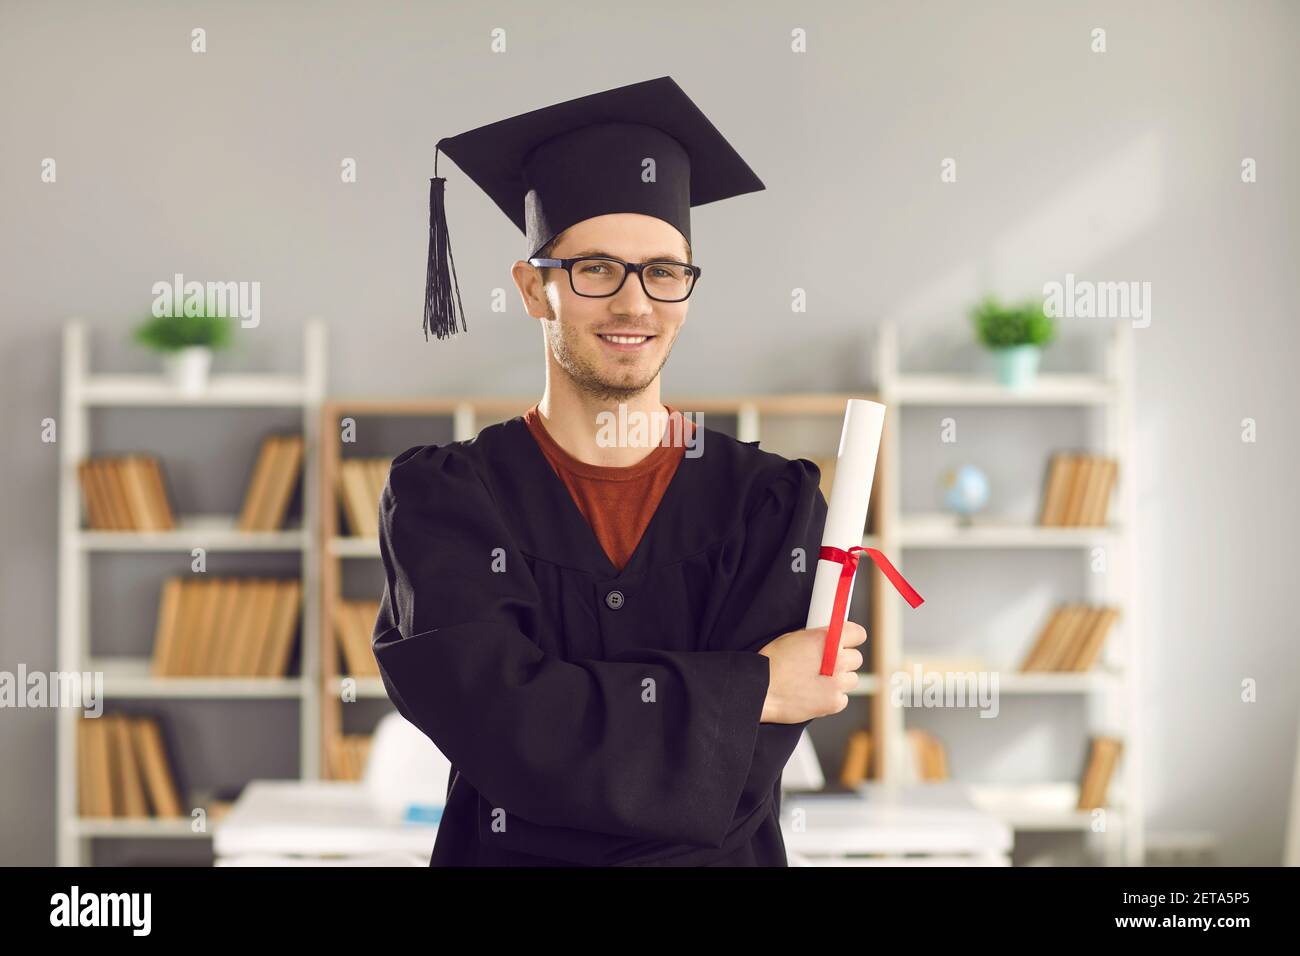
pixel 625 339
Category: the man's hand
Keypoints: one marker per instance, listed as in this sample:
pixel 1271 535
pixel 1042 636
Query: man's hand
pixel 796 689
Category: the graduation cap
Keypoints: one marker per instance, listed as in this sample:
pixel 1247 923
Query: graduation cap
pixel 585 157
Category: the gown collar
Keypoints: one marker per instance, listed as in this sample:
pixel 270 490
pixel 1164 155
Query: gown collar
pixel 547 523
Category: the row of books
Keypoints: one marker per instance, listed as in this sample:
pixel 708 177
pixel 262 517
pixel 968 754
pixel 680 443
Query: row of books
pixel 346 755
pixel 1078 490
pixel 270 489
pixel 125 493
pixel 927 760
pixel 226 627
pixel 361 483
pixel 1072 638
pixel 122 768
pixel 129 493
pixel 354 627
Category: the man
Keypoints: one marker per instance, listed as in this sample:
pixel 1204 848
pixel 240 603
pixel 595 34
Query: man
pixel 604 638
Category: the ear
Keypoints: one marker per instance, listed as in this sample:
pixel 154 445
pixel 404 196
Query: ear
pixel 532 290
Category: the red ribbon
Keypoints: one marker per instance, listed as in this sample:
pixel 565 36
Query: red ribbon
pixel 849 560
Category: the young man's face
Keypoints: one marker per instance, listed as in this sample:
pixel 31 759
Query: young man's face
pixel 574 325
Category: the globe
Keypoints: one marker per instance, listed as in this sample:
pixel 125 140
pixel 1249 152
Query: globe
pixel 965 490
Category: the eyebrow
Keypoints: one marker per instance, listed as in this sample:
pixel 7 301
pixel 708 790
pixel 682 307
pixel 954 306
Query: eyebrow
pixel 671 256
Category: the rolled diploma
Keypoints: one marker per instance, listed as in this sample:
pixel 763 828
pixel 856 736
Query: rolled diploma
pixel 846 511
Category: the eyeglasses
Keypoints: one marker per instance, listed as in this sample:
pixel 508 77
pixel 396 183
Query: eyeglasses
pixel 598 277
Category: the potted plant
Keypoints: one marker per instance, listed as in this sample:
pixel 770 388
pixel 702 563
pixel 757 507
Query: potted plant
pixel 186 343
pixel 1015 334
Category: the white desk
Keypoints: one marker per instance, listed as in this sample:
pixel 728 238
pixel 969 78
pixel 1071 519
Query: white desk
pixel 334 823
pixel 316 823
pixel 932 824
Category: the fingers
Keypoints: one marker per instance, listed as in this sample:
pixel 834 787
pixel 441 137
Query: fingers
pixel 848 659
pixel 852 634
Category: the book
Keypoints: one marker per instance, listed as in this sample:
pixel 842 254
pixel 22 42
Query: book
pixel 857 759
pixel 1102 760
pixel 1056 490
pixel 928 760
pixel 158 487
pixel 255 493
pixel 1080 467
pixel 1098 506
pixel 112 473
pixel 360 492
pixel 346 754
pixel 1038 653
pixel 98 789
pixel 259 593
pixel 204 591
pixel 85 790
pixel 278 649
pixel 209 655
pixel 354 623
pixel 1061 637
pixel 285 470
pixel 827 479
pixel 93 509
pixel 1088 649
pixel 159 782
pixel 124 755
pixel 137 494
pixel 378 471
pixel 238 619
pixel 270 487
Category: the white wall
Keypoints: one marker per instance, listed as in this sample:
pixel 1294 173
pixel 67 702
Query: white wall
pixel 1114 166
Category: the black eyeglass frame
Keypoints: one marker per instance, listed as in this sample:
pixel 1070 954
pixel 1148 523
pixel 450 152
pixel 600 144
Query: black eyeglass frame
pixel 637 267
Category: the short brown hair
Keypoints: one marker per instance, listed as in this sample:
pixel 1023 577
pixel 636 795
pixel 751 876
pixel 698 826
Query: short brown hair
pixel 546 250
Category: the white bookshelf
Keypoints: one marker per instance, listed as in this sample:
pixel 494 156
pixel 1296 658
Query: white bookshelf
pixel 129 678
pixel 1110 691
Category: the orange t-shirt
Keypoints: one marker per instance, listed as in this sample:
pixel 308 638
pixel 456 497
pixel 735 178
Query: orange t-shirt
pixel 618 503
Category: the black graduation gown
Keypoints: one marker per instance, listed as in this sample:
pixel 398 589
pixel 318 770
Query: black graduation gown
pixel 595 716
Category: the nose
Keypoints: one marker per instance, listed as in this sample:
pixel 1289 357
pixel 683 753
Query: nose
pixel 631 299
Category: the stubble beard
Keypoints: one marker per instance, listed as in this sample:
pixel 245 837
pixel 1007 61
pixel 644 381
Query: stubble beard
pixel 586 375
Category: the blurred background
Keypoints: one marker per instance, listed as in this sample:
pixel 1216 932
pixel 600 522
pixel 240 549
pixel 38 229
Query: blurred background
pixel 1097 506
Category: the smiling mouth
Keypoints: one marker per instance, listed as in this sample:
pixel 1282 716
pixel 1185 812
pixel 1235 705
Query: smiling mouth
pixel 625 343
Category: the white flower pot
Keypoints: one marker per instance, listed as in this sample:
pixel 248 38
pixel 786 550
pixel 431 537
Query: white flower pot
pixel 187 368
pixel 1017 365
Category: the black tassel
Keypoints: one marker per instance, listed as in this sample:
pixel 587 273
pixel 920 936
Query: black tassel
pixel 441 290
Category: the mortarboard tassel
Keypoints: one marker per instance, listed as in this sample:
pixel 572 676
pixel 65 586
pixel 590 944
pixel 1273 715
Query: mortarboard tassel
pixel 440 280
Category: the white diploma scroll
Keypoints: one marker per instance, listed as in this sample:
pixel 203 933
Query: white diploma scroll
pixel 846 511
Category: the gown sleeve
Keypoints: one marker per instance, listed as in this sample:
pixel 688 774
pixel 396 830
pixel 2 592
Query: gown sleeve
pixel 583 766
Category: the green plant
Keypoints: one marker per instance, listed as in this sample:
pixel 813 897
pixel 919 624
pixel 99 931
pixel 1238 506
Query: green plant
pixel 1001 326
pixel 169 333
